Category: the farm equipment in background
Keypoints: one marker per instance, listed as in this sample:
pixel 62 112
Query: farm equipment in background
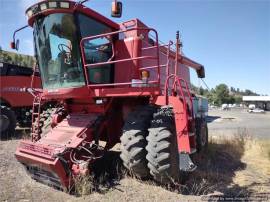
pixel 109 82
pixel 16 105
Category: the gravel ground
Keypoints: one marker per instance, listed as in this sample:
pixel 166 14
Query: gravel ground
pixel 227 123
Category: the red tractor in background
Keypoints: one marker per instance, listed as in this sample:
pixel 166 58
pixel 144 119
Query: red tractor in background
pixel 16 105
pixel 109 82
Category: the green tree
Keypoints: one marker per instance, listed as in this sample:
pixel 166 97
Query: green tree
pixel 238 99
pixel 210 96
pixel 249 92
pixel 221 94
pixel 201 91
pixel 16 60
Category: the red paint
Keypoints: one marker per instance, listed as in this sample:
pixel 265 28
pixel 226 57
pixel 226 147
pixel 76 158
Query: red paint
pixel 12 90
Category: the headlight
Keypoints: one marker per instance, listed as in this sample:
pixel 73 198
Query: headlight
pixel 52 4
pixel 64 4
pixel 29 13
pixel 43 6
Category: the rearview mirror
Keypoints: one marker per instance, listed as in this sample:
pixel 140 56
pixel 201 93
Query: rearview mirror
pixel 116 9
pixel 15 45
pixel 201 72
pixel 12 45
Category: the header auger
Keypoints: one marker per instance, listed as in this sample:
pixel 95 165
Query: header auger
pixel 104 81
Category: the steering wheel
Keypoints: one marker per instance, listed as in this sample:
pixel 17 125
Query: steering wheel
pixel 103 48
pixel 63 47
pixel 66 50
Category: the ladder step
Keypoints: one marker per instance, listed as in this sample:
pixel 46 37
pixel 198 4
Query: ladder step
pixel 191 134
pixel 193 150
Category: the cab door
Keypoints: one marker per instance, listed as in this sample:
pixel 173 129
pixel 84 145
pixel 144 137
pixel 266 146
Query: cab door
pixel 97 50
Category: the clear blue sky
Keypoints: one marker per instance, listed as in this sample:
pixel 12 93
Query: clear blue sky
pixel 231 38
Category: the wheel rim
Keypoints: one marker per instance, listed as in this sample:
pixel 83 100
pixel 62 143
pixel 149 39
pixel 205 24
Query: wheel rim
pixel 4 122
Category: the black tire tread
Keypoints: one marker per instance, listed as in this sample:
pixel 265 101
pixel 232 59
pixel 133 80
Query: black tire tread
pixel 162 152
pixel 200 146
pixel 10 131
pixel 133 140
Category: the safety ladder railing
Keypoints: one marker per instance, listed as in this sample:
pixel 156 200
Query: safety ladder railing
pixel 186 89
pixel 35 130
pixel 155 81
pixel 177 86
pixel 178 81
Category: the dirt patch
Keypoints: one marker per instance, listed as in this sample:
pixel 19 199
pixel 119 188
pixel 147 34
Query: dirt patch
pixel 237 167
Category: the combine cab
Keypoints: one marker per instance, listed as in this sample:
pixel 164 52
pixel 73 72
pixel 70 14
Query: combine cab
pixel 114 83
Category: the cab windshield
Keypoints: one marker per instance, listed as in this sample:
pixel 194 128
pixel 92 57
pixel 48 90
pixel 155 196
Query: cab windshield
pixel 57 50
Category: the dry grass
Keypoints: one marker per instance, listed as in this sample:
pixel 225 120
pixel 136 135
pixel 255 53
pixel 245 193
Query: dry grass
pixel 106 174
pixel 228 166
pixel 237 166
pixel 216 166
pixel 266 148
pixel 84 185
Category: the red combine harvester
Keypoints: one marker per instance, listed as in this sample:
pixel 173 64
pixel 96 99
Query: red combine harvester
pixel 15 105
pixel 109 82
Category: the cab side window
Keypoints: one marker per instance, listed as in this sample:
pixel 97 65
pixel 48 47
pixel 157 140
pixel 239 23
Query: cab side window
pixel 97 50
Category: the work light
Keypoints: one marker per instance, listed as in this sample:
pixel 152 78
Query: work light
pixel 64 4
pixel 52 4
pixel 43 6
pixel 29 13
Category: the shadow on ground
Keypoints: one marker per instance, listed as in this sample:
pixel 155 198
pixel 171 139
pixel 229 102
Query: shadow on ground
pixel 216 170
pixel 212 118
pixel 215 173
pixel 19 134
pixel 106 174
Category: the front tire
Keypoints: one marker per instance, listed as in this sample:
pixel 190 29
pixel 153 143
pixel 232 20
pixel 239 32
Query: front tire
pixel 7 122
pixel 133 141
pixel 162 156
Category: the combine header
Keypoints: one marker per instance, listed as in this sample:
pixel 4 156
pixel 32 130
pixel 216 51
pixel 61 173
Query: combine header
pixel 108 82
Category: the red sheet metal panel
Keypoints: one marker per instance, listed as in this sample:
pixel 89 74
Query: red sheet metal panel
pixel 69 133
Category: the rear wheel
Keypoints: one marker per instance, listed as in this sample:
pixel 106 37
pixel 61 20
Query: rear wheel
pixel 133 141
pixel 201 135
pixel 7 122
pixel 162 156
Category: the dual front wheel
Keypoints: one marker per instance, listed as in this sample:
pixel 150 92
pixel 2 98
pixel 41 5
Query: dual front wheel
pixel 149 146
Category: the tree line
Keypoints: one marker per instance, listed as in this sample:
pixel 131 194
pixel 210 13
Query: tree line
pixel 223 94
pixel 16 59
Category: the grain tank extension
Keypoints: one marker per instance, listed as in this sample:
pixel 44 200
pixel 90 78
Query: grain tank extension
pixel 113 83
